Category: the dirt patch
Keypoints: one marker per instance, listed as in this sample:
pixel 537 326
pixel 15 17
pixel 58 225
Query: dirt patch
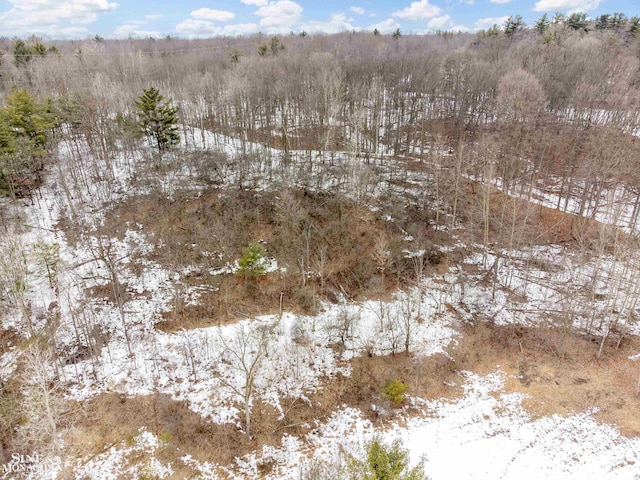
pixel 316 137
pixel 555 385
pixel 8 339
pixel 430 378
pixel 514 222
pixel 111 419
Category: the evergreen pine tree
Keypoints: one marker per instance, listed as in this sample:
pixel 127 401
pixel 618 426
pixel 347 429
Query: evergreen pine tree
pixel 7 140
pixel 29 118
pixel 603 22
pixel 618 20
pixel 514 24
pixel 252 263
pixel 157 119
pixel 22 53
pixel 7 149
pixel 385 463
pixel 578 21
pixel 493 31
pixel 542 24
pixel 559 18
pixel 634 26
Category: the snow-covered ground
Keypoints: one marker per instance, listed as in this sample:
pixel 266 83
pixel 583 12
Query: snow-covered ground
pixel 616 206
pixel 485 434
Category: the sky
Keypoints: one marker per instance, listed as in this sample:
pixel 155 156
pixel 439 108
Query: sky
pixel 57 19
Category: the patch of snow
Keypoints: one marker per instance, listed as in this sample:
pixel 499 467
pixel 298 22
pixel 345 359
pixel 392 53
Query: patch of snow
pixel 123 460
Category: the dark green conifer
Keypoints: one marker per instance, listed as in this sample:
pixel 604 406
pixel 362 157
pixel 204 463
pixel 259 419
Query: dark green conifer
pixel 157 119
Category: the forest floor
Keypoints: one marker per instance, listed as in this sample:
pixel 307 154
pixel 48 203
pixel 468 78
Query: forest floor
pixel 548 385
pixel 492 368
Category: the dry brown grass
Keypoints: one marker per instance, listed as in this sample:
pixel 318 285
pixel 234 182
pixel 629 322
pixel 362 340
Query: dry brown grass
pixel 210 230
pixel 554 385
pixel 8 339
pixel 298 137
pixel 543 225
pixel 111 419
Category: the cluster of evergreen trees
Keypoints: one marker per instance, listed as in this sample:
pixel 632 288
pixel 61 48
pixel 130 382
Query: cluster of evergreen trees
pixel 23 52
pixel 25 125
pixel 576 21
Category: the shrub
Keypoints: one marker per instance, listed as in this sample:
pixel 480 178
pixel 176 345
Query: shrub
pixel 165 437
pixel 130 440
pixel 385 463
pixel 147 473
pixel 394 391
pixel 253 261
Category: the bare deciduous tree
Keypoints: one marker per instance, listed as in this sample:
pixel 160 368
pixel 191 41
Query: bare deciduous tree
pixel 242 358
pixel 42 406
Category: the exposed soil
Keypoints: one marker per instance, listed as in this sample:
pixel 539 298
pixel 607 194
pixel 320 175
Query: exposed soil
pixel 318 137
pixel 9 338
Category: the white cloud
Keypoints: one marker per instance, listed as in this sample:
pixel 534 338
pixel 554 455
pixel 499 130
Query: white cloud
pixel 132 29
pixel 213 15
pixel 387 26
pixel 69 32
pixel 280 16
pixel 193 28
pixel 440 23
pixel 201 24
pixel 338 22
pixel 558 5
pixel 55 18
pixel 488 22
pixel 418 11
pixel 358 10
pixel 58 32
pixel 499 1
pixel 257 3
pixel 445 23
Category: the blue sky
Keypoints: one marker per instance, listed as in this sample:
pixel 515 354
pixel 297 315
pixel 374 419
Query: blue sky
pixel 206 18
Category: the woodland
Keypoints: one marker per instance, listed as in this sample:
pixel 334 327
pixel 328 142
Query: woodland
pixel 322 256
